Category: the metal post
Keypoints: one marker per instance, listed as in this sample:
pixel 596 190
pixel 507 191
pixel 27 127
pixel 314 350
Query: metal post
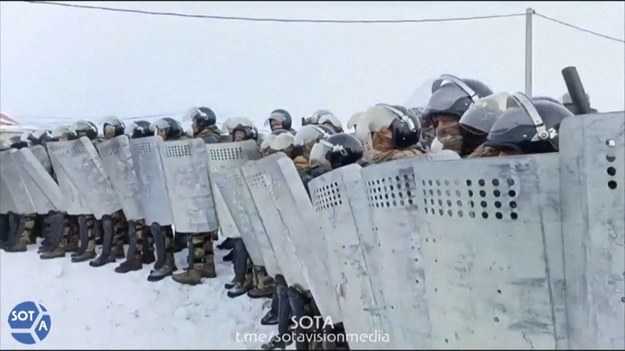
pixel 528 51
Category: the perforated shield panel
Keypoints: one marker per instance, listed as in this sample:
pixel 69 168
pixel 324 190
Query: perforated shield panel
pixel 188 185
pixel 152 193
pixel 340 202
pixel 492 250
pixel 221 158
pixel 592 150
pixel 399 284
pixel 258 182
pixel 43 190
pixel 11 172
pixel 119 166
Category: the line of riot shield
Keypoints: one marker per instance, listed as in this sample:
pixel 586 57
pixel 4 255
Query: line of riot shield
pixel 44 192
pixel 297 214
pixel 188 185
pixel 152 192
pixel 394 248
pixel 117 161
pixel 78 167
pixel 492 250
pixel 258 181
pixel 11 172
pixel 41 154
pixel 592 161
pixel 340 203
pixel 221 158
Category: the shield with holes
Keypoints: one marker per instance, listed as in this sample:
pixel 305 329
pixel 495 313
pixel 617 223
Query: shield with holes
pixel 296 212
pixel 81 176
pixel 394 252
pixel 19 201
pixel 41 154
pixel 188 185
pixel 117 161
pixel 492 250
pixel 258 181
pixel 221 158
pixel 152 191
pixel 340 203
pixel 43 191
pixel 593 202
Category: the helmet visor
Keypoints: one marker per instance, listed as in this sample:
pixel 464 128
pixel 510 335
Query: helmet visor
pixel 482 114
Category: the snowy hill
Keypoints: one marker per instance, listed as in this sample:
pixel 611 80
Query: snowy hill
pixel 93 308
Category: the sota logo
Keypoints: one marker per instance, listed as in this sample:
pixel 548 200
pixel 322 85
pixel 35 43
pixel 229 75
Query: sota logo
pixel 30 322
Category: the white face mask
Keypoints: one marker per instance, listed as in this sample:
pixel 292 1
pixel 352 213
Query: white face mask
pixel 436 146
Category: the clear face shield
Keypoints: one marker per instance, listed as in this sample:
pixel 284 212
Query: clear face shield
pixel 307 135
pixel 231 123
pixel 160 128
pixel 62 133
pixel 352 122
pixel 282 142
pixel 331 120
pixel 275 121
pixel 483 113
pixel 318 154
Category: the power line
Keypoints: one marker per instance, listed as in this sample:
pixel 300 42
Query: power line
pixel 579 28
pixel 284 20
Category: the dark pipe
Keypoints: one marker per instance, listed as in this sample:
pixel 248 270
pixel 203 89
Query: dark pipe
pixel 576 90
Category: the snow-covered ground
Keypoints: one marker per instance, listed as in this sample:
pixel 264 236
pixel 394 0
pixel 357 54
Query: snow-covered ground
pixel 96 308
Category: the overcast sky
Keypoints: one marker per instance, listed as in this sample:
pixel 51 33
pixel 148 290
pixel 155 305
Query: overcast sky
pixel 78 63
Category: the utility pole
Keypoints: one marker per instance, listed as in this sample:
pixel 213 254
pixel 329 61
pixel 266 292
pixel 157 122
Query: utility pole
pixel 529 12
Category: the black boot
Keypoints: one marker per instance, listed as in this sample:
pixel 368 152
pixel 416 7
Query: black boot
pixel 58 228
pixel 229 257
pixel 226 245
pixel 180 242
pixel 105 256
pixel 133 256
pixel 161 269
pixel 284 317
pixel 147 246
pixel 298 302
pixel 271 318
pixel 83 230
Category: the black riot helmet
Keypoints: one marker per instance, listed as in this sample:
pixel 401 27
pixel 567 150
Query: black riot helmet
pixel 141 129
pixel 113 122
pixel 18 142
pixel 172 129
pixel 85 128
pixel 339 150
pixel 452 96
pixel 528 126
pixel 202 118
pixel 404 125
pixel 282 116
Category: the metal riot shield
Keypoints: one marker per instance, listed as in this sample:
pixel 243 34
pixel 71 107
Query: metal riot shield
pixel 297 214
pixel 73 202
pixel 7 204
pixel 592 154
pixel 12 174
pixel 258 229
pixel 152 193
pixel 492 250
pixel 231 186
pixel 41 154
pixel 255 173
pixel 82 167
pixel 43 190
pixel 117 161
pixel 393 247
pixel 223 157
pixel 340 202
pixel 188 185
